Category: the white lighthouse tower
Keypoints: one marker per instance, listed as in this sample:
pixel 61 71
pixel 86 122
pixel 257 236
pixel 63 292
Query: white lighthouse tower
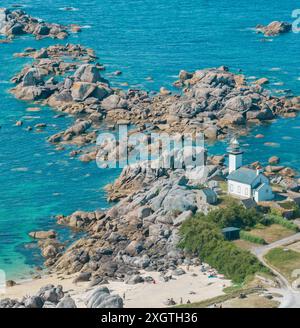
pixel 235 155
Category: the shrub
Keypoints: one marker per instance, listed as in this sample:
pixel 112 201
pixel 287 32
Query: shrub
pixel 203 237
pixel 235 215
pixel 253 239
pixel 283 222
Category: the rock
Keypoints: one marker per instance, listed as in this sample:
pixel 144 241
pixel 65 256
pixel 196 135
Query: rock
pixel 133 280
pixel 32 93
pixel 33 302
pixel 101 298
pixel 88 73
pixel 178 272
pixel 113 102
pixel 49 305
pixel 287 172
pixel 211 133
pixel 82 90
pixel 144 212
pixel 50 293
pixel 134 248
pixel 274 160
pixel 184 75
pixel 259 136
pixel 165 92
pixel 66 303
pixel 31 78
pixel 10 283
pixel 83 276
pixel 43 234
pixel 182 217
pixel 43 53
pixel 274 28
pixel 262 81
pixel 50 251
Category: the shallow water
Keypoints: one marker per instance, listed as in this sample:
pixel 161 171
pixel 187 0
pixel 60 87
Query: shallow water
pixel 142 39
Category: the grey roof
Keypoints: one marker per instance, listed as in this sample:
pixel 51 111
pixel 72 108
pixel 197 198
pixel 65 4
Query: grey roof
pixel 243 175
pixel 230 229
pixel 209 192
pixel 248 203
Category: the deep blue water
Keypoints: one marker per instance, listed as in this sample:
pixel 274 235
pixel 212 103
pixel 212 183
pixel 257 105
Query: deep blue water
pixel 141 38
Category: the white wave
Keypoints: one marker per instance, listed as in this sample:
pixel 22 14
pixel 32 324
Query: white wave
pixel 20 169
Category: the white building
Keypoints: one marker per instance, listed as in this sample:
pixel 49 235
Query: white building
pixel 244 182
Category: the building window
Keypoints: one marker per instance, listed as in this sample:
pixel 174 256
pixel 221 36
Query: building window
pixel 231 187
pixel 246 192
pixel 239 189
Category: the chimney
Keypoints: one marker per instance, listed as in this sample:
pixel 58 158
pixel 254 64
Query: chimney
pixel 258 170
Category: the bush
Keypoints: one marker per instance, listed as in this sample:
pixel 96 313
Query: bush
pixel 253 239
pixel 202 237
pixel 283 222
pixel 235 215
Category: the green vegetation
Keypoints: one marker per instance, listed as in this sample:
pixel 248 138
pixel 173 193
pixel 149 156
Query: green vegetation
pixel 271 233
pixel 253 239
pixel 202 235
pixel 289 205
pixel 220 299
pixel 235 215
pixel 278 219
pixel 284 260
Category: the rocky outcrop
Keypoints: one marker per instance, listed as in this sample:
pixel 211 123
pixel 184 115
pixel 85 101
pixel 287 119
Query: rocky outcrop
pixel 43 234
pixel 275 28
pixel 49 296
pixel 17 22
pixel 213 101
pixel 140 232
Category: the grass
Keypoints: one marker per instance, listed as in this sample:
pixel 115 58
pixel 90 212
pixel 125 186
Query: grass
pixel 231 294
pixel 271 233
pixel 288 205
pixel 284 260
pixel 218 299
pixel 244 235
pixel 251 301
pixel 244 244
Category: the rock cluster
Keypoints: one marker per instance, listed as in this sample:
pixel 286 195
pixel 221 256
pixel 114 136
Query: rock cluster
pixel 140 232
pixel 49 296
pixel 100 298
pixel 79 93
pixel 274 28
pixel 17 22
pixel 213 101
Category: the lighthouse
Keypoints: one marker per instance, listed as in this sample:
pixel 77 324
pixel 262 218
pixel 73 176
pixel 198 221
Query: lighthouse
pixel 235 155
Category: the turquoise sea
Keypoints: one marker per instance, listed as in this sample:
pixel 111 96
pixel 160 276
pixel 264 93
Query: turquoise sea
pixel 141 38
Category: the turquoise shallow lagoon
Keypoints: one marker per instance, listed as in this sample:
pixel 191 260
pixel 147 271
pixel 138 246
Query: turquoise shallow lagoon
pixel 140 38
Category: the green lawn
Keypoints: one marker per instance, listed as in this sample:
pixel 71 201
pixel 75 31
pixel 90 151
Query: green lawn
pixel 284 260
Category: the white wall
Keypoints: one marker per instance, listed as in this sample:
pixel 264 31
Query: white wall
pixel 235 162
pixel 239 189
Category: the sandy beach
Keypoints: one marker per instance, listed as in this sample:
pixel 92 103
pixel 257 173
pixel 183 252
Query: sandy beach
pixel 193 286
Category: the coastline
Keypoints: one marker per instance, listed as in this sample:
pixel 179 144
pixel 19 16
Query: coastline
pixel 145 295
pixel 87 138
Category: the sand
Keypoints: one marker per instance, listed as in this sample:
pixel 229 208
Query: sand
pixel 193 286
